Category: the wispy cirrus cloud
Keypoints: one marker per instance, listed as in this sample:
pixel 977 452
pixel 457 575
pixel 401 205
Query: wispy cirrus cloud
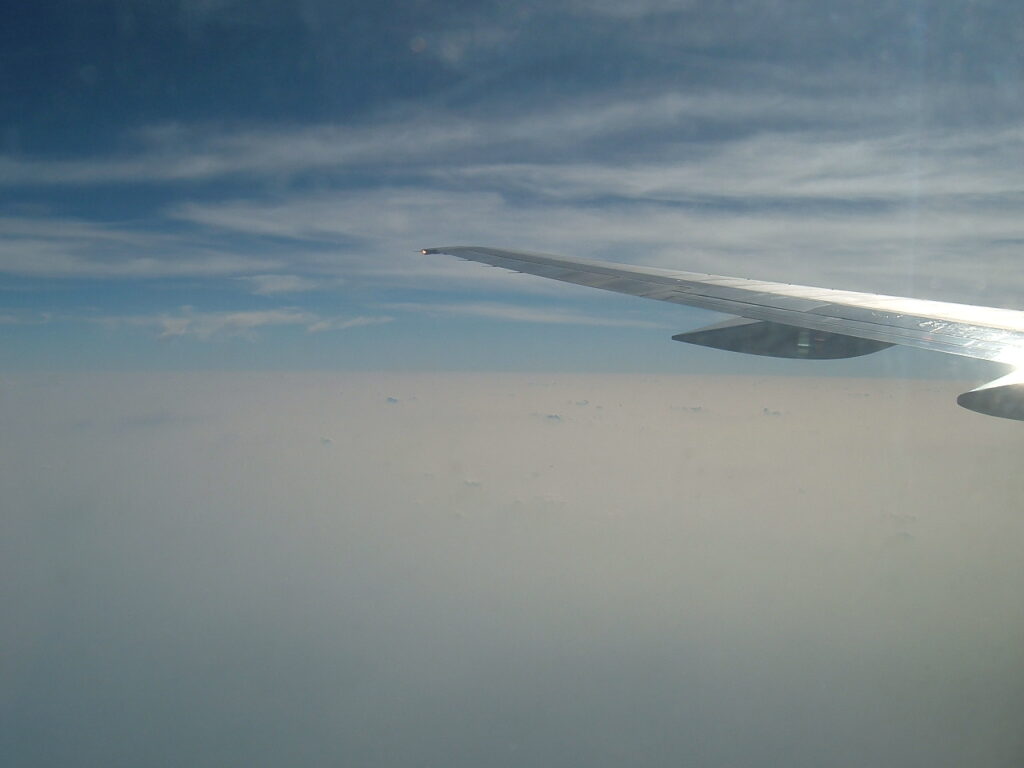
pixel 207 326
pixel 896 245
pixel 23 317
pixel 271 285
pixel 519 313
pixel 417 136
pixel 60 246
pixel 810 181
pixel 900 168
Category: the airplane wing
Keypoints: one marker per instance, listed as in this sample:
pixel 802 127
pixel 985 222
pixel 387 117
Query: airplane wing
pixel 799 321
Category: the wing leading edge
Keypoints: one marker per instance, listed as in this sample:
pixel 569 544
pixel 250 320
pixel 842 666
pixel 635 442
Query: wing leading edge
pixel 846 323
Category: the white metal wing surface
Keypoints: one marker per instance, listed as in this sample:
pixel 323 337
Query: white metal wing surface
pixel 801 321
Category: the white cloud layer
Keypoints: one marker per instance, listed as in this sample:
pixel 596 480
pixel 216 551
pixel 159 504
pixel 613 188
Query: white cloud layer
pixel 464 570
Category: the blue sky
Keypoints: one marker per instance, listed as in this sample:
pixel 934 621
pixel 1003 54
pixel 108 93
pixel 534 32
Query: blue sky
pixel 211 184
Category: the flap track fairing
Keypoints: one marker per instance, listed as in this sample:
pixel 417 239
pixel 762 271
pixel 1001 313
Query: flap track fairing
pixel 759 337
